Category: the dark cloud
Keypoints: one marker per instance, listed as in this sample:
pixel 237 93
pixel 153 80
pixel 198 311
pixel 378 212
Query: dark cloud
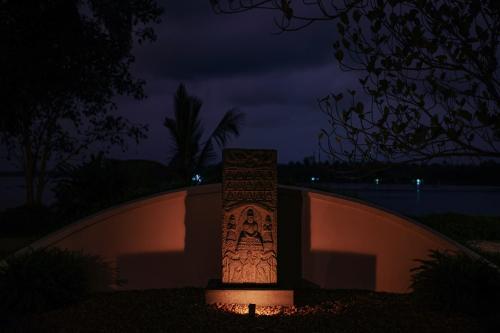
pixel 185 10
pixel 236 61
pixel 196 43
pixel 280 108
pixel 301 87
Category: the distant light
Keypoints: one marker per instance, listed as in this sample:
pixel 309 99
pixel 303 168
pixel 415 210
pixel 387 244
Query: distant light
pixel 377 181
pixel 314 179
pixel 197 179
pixel 418 181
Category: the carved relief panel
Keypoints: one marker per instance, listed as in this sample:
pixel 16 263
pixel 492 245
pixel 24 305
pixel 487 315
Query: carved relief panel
pixel 249 228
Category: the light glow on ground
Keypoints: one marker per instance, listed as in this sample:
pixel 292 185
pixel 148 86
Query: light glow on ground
pixel 260 310
pixel 327 307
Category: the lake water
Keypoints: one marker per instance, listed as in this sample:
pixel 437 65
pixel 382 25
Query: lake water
pixel 406 199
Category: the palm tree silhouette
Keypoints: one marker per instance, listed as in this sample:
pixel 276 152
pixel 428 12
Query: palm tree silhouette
pixel 189 153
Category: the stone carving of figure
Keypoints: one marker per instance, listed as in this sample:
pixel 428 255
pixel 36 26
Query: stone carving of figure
pixel 249 255
pixel 267 233
pixel 250 266
pixel 250 237
pixel 231 226
pixel 231 265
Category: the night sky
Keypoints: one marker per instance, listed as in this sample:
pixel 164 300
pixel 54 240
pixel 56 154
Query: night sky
pixel 236 61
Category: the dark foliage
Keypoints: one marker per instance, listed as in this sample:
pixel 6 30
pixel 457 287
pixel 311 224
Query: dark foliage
pixel 429 77
pixel 463 228
pixel 184 310
pixel 457 282
pixel 62 62
pixel 27 221
pixel 100 183
pixel 46 279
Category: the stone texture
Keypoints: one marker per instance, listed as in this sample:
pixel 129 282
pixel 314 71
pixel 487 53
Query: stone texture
pixel 263 297
pixel 249 228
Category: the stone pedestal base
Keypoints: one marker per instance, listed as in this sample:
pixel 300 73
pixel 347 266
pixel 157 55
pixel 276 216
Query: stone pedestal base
pixel 266 297
pixel 258 294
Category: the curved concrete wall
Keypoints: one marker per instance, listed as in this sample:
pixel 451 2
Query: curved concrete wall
pixel 355 245
pixel 173 240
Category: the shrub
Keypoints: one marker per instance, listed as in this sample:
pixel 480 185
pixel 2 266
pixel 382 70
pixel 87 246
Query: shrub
pixel 100 183
pixel 457 282
pixel 27 221
pixel 45 279
pixel 464 228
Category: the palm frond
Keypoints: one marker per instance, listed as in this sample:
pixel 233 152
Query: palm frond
pixel 185 128
pixel 207 154
pixel 175 139
pixel 228 127
pixel 186 132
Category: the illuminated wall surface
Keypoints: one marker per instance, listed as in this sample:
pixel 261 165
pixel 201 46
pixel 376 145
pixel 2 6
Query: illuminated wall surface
pixel 173 240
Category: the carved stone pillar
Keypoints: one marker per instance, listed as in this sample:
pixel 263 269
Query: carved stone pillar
pixel 249 226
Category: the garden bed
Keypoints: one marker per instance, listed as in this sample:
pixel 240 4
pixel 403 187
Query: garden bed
pixel 184 310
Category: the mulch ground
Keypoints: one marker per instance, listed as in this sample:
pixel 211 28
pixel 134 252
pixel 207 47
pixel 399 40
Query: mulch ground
pixel 183 310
